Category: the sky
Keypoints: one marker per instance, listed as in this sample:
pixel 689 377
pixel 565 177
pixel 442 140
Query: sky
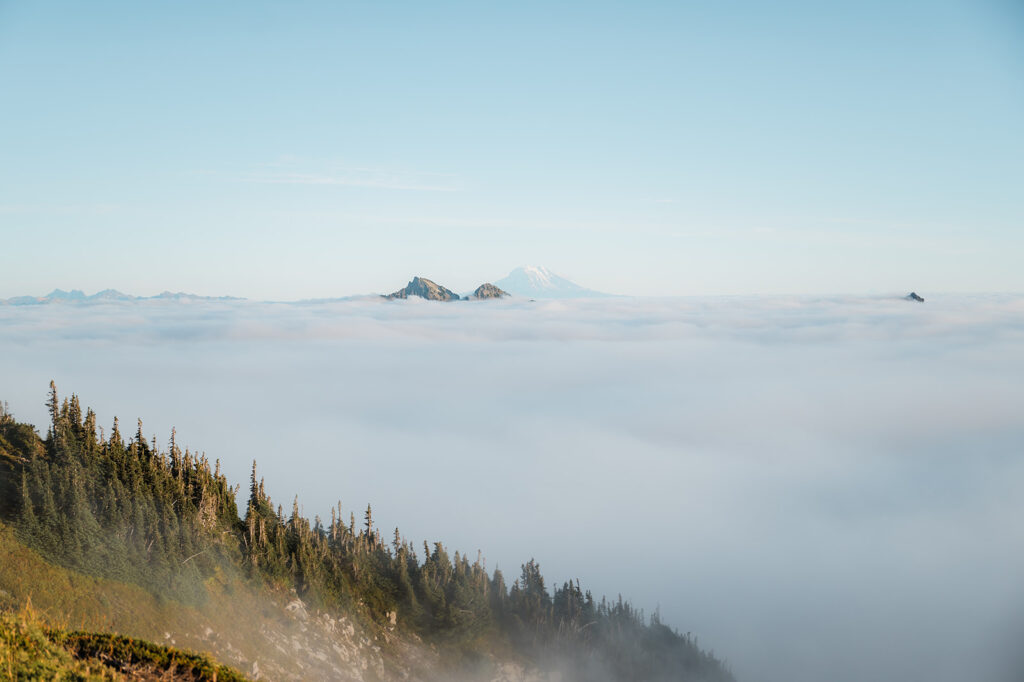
pixel 281 151
pixel 818 488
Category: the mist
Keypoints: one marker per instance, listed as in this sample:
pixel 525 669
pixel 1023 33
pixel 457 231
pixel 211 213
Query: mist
pixel 818 488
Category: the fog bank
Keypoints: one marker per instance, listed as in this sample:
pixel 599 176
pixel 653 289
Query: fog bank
pixel 819 488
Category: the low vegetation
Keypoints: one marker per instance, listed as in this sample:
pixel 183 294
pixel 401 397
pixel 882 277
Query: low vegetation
pixel 32 650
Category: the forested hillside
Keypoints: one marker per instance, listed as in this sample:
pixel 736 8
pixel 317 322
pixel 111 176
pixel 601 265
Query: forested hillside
pixel 120 509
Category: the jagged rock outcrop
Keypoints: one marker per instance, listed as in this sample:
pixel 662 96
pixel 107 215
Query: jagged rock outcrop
pixel 488 290
pixel 424 288
pixel 912 296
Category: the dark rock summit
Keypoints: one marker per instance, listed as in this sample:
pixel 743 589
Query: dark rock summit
pixel 912 296
pixel 488 290
pixel 424 288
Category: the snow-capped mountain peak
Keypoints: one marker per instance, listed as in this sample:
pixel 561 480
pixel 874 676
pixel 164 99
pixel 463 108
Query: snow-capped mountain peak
pixel 539 275
pixel 534 281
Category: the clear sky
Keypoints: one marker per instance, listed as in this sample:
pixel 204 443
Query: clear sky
pixel 300 149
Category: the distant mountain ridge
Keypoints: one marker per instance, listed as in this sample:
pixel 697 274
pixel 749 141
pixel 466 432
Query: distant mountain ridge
pixel 534 281
pixel 78 296
pixel 530 281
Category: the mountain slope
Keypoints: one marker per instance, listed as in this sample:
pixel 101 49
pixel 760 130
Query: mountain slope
pixel 114 534
pixel 264 632
pixel 532 281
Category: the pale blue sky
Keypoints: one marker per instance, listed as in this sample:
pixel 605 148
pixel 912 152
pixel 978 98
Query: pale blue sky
pixel 288 150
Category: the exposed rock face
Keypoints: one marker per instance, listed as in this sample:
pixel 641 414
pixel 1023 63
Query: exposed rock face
pixel 291 643
pixel 488 290
pixel 424 288
pixel 912 296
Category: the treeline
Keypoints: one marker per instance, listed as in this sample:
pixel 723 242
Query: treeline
pixel 166 520
pixel 115 508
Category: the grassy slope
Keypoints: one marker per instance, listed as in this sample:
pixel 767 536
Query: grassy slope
pixel 238 624
pixel 70 599
pixel 27 653
pixel 31 650
pixel 232 625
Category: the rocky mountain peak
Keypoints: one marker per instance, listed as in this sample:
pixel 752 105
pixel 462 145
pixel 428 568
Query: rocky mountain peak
pixel 425 288
pixel 60 294
pixel 912 296
pixel 488 290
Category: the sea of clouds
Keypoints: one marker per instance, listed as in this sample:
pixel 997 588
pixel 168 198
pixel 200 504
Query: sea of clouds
pixel 818 488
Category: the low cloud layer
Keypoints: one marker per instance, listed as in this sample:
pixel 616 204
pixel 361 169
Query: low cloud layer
pixel 819 488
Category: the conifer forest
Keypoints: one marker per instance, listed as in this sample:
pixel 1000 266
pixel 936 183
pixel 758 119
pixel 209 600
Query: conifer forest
pixel 112 504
